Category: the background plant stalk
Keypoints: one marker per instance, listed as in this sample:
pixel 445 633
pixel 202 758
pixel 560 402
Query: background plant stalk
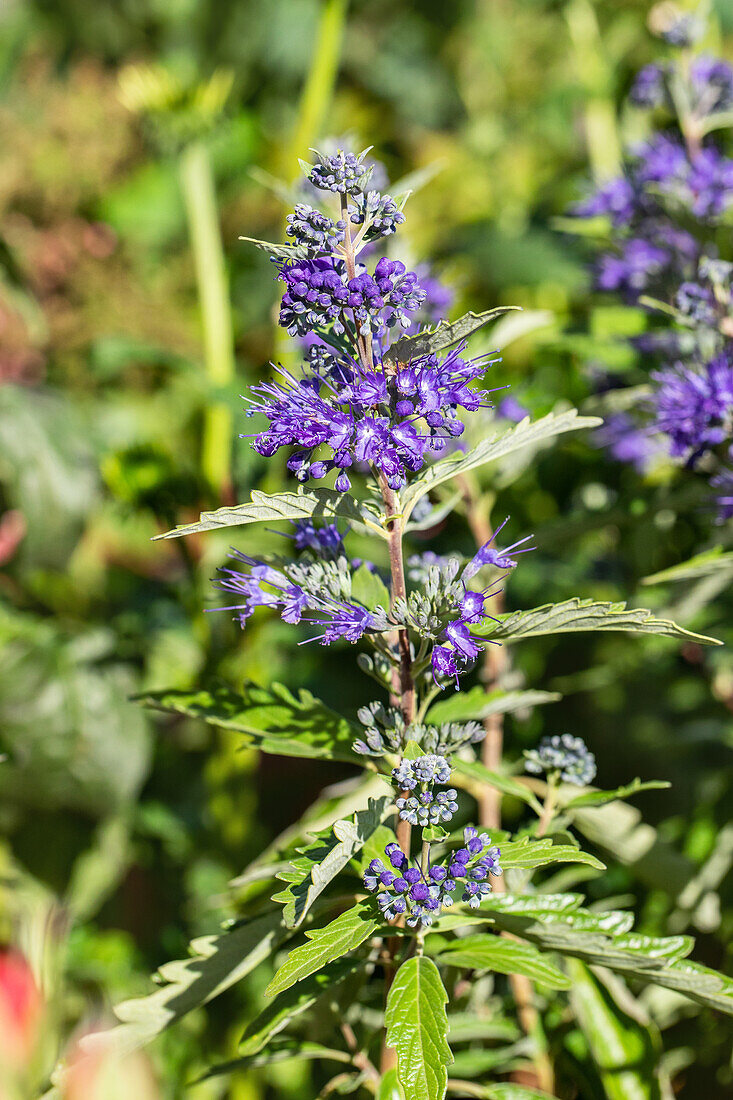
pixel 496 666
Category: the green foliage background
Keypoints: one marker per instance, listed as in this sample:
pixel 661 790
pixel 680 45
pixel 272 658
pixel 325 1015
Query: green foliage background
pixel 103 397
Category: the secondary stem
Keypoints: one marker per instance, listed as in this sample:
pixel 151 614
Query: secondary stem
pixel 496 664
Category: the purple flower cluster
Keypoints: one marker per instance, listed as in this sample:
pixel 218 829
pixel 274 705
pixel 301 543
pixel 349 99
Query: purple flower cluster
pixel 426 806
pixel 404 890
pixel 312 230
pixel 694 407
pixel 380 211
pixel 343 172
pixel 318 295
pixel 389 421
pixel 722 485
pixel 265 586
pixel 459 649
pixel 665 213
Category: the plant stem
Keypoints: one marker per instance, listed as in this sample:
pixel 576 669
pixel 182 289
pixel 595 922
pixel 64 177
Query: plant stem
pixel 548 808
pixel 496 664
pixel 199 194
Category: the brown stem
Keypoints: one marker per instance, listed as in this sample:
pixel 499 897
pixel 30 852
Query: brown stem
pixel 496 666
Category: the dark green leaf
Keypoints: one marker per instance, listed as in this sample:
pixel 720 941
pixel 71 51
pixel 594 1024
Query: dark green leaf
pixel 271 718
pixel 478 703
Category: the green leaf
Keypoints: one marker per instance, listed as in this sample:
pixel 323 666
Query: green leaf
pixel 489 952
pixel 443 335
pixel 599 798
pixel 281 251
pixel 292 1003
pixel 217 963
pixel 526 433
pixel 480 774
pixel 316 503
pixel 417 1026
pixel 389 1087
pixel 701 565
pixel 319 863
pixel 271 718
pixel 539 853
pixel 478 703
pixel 580 934
pixel 435 833
pixel 342 935
pixel 576 614
pixel 622 1048
pixel 368 589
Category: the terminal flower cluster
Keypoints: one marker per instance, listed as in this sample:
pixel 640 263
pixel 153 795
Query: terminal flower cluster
pixel 404 889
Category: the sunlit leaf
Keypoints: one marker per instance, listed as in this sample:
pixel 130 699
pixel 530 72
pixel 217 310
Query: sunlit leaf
pixel 487 952
pixel 304 504
pixel 342 935
pixel 526 433
pixel 477 704
pixel 579 615
pixel 318 863
pixel 417 1026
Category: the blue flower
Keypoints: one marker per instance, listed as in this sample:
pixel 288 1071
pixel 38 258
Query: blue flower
pixel 695 407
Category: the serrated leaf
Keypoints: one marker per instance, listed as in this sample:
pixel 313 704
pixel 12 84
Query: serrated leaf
pixel 368 588
pixel 443 335
pixel 292 1003
pixel 701 565
pixel 478 703
pixel 417 1026
pixel 482 775
pixel 621 1047
pixel 280 251
pixel 318 863
pixel 275 720
pixel 599 798
pixel 217 963
pixel 578 615
pixel 539 853
pixel 489 952
pixel 526 433
pixel 650 959
pixel 342 935
pixel 313 503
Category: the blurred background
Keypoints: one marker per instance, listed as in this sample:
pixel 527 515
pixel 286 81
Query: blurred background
pixel 140 139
